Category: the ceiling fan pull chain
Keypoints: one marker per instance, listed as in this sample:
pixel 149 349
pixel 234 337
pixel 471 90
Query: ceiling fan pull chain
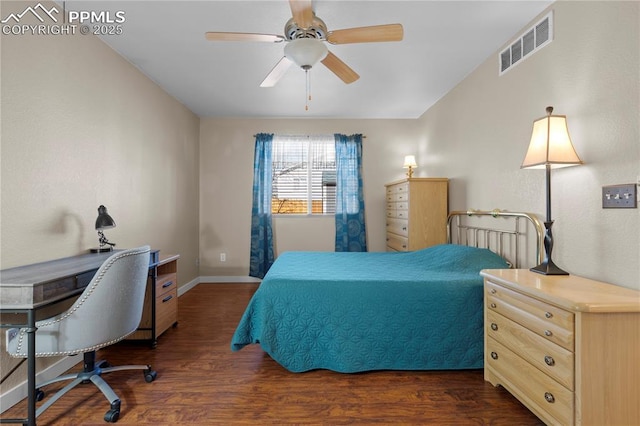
pixel 308 83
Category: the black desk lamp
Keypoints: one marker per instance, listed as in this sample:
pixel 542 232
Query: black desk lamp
pixel 550 148
pixel 104 221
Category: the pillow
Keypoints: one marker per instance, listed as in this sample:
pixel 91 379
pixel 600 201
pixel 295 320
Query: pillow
pixel 447 257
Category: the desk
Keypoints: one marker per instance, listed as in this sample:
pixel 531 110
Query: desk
pixel 25 289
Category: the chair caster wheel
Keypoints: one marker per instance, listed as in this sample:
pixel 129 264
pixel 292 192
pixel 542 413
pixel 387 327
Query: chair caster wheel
pixel 112 416
pixel 150 375
pixel 103 364
pixel 39 395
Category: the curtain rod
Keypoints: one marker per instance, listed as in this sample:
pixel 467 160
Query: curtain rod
pixel 363 136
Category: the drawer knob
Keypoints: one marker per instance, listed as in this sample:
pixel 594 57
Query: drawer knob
pixel 493 291
pixel 494 355
pixel 548 333
pixel 167 284
pixel 494 326
pixel 166 299
pixel 549 361
pixel 548 315
pixel 493 305
pixel 548 396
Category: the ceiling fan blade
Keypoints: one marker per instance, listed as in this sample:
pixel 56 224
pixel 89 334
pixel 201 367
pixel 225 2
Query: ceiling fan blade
pixel 276 73
pixel 376 33
pixel 302 12
pixel 339 68
pixel 218 36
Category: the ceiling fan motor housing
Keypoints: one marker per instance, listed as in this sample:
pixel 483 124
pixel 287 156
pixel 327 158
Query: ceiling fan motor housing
pixel 317 30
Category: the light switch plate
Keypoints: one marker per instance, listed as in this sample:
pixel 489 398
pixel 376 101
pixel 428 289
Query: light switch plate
pixel 620 196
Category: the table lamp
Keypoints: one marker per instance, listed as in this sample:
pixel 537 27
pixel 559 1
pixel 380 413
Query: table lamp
pixel 410 163
pixel 104 221
pixel 550 147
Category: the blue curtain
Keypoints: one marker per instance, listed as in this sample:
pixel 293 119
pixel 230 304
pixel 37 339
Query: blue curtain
pixel 350 226
pixel 262 256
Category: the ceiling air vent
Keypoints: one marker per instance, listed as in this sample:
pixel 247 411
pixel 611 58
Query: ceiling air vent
pixel 534 39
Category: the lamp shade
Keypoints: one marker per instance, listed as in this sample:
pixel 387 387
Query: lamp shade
pixel 104 221
pixel 410 161
pixel 305 52
pixel 550 144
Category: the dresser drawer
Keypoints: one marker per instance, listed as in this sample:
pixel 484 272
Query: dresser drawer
pixel 398 188
pixel 401 188
pixel 548 357
pixel 397 242
pixel 166 309
pixel 551 401
pixel 402 214
pixel 398 226
pixel 166 283
pixel 548 321
pixel 398 197
pixel 398 214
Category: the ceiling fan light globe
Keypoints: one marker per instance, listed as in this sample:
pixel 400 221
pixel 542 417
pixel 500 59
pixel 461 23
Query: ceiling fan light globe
pixel 305 52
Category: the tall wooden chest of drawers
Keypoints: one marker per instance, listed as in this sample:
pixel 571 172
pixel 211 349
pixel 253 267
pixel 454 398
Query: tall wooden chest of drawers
pixel 417 210
pixel 567 347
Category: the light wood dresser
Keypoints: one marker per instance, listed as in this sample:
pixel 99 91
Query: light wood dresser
pixel 567 347
pixel 417 211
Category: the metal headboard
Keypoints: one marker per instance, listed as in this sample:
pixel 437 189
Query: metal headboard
pixel 461 232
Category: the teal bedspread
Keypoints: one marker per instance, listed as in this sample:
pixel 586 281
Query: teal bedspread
pixel 353 312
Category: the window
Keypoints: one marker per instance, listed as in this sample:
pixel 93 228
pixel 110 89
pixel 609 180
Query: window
pixel 304 175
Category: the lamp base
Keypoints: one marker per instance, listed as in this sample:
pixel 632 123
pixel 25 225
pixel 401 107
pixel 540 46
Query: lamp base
pixel 548 268
pixel 101 249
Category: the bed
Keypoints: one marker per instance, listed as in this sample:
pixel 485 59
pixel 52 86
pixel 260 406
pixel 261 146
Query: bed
pixel 355 312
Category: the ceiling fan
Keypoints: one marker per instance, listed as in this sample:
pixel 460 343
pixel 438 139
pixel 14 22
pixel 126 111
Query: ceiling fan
pixel 305 37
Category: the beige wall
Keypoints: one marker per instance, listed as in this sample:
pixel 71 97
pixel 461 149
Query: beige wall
pixel 82 127
pixel 590 72
pixel 477 136
pixel 226 176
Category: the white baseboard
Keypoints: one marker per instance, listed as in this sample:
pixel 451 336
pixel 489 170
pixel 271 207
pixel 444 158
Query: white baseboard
pixel 16 394
pixel 188 286
pixel 218 279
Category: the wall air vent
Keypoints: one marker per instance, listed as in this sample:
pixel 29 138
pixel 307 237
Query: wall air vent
pixel 534 39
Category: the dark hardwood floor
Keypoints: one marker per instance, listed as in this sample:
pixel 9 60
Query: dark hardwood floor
pixel 201 382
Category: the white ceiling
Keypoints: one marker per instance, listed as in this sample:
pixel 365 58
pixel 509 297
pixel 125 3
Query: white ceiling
pixel 443 42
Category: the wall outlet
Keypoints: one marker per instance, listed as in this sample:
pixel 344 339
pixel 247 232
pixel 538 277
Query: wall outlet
pixel 223 257
pixel 620 196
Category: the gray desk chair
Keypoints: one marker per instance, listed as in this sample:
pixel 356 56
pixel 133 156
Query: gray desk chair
pixel 107 311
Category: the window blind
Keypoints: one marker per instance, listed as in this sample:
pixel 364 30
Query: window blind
pixel 304 174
